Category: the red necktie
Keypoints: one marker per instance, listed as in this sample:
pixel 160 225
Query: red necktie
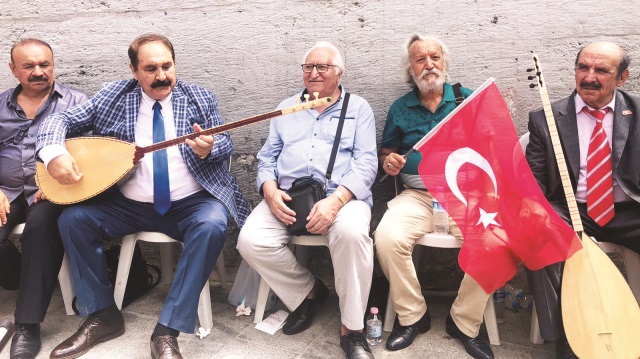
pixel 599 172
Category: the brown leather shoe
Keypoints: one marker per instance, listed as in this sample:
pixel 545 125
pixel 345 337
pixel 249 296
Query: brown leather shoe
pixel 165 347
pixel 91 332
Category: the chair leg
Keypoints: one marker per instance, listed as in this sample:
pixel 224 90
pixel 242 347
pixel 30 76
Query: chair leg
pixel 261 303
pixel 222 271
pixel 204 308
pixel 632 266
pixel 66 285
pixel 389 316
pixel 535 336
pixel 124 266
pixel 491 323
pixel 166 262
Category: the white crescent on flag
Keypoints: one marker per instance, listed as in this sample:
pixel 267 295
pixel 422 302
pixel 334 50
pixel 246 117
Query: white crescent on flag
pixel 458 158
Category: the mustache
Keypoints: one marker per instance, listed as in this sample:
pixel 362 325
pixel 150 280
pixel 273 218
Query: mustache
pixel 590 85
pixel 425 73
pixel 163 83
pixel 38 78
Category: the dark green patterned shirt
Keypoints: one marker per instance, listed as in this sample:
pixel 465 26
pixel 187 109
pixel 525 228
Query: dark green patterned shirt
pixel 409 120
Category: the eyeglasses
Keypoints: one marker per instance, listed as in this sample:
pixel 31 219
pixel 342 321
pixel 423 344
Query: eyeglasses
pixel 321 68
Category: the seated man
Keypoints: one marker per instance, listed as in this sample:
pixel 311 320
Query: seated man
pixel 300 146
pixel 183 191
pixel 22 111
pixel 426 62
pixel 608 199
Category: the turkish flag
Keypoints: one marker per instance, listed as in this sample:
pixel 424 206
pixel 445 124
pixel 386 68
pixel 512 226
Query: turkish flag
pixel 472 163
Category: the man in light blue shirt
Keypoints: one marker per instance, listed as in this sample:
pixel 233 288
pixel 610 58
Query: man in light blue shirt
pixel 300 145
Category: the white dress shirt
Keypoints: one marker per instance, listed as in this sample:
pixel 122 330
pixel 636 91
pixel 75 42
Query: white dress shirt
pixel 139 187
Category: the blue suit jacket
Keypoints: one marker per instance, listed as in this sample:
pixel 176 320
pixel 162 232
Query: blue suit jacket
pixel 113 112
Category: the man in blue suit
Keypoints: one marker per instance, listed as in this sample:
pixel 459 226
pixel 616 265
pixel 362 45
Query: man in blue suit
pixel 184 192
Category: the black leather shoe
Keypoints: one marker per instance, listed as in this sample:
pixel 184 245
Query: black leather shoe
pixel 302 317
pixel 477 347
pixel 91 332
pixel 26 341
pixel 563 349
pixel 355 346
pixel 402 336
pixel 165 347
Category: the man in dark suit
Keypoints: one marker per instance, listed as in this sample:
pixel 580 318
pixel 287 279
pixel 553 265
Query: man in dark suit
pixel 184 191
pixel 605 178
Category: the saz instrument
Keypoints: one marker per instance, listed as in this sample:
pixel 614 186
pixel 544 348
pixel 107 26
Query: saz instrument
pixel 599 312
pixel 104 161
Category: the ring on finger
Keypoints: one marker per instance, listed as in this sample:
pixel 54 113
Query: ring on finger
pixel 389 165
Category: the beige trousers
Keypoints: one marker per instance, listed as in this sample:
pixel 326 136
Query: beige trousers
pixel 408 218
pixel 263 244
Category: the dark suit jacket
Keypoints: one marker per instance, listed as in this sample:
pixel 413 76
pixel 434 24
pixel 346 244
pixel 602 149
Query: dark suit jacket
pixel 625 148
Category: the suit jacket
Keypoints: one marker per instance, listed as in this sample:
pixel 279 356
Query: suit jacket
pixel 113 112
pixel 625 148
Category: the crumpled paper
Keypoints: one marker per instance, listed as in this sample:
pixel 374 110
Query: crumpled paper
pixel 202 333
pixel 242 310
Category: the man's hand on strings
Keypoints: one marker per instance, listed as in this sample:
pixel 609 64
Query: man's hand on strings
pixel 64 169
pixel 202 145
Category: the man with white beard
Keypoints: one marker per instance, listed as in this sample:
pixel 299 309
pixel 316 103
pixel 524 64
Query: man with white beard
pixel 426 62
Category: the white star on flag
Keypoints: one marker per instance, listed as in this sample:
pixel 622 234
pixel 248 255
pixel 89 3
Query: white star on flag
pixel 487 218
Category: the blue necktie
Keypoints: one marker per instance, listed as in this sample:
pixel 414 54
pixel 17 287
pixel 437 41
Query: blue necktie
pixel 161 192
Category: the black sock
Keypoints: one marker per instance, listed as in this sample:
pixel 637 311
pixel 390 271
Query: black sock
pixel 30 327
pixel 109 315
pixel 161 330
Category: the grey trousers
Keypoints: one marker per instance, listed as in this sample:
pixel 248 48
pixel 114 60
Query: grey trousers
pixel 263 244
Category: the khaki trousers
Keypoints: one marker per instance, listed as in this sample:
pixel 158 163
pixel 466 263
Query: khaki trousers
pixel 263 244
pixel 408 218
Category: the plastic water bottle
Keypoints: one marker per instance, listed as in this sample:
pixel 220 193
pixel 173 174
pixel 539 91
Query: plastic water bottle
pixel 498 299
pixel 374 328
pixel 526 302
pixel 440 217
pixel 512 297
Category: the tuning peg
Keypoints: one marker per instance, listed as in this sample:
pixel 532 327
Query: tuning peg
pixel 529 70
pixel 532 85
pixel 297 100
pixel 316 94
pixel 306 97
pixel 531 77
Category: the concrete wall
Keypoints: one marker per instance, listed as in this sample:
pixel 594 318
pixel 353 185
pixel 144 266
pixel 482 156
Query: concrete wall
pixel 249 52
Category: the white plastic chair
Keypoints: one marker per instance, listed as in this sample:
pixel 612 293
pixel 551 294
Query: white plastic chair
pixel 301 255
pixel 446 241
pixel 64 277
pixel 166 258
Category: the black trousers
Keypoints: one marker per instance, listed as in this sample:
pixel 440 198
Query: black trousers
pixel 42 253
pixel 546 283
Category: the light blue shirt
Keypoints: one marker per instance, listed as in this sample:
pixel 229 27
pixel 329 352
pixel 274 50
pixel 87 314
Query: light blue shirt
pixel 300 145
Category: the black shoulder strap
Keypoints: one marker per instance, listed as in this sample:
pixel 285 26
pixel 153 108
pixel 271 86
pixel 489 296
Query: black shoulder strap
pixel 458 93
pixel 336 141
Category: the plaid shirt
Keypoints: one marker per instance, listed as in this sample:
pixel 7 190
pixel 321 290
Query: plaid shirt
pixel 113 112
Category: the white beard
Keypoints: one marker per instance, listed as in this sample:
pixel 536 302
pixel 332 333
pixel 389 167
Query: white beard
pixel 427 84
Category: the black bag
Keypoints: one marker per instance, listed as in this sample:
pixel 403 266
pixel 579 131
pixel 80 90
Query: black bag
pixel 305 192
pixel 140 280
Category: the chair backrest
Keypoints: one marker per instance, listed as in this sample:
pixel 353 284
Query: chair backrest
pixel 524 141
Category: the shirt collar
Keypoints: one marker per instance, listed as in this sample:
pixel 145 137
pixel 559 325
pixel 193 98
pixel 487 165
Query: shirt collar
pixel 148 101
pixel 580 104
pixel 13 99
pixel 447 96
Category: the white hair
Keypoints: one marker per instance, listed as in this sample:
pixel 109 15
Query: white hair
pixel 406 57
pixel 338 60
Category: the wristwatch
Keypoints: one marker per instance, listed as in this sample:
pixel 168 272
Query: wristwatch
pixel 340 196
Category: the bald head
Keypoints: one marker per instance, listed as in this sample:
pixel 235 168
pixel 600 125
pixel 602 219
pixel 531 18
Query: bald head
pixel 608 49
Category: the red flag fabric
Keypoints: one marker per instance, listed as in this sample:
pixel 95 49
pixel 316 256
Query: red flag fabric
pixel 473 164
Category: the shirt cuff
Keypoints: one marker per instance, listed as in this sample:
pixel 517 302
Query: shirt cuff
pixel 48 153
